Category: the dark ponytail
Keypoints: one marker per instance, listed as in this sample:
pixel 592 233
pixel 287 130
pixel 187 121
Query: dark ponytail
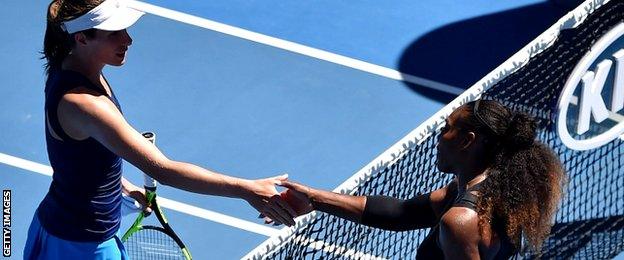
pixel 57 43
pixel 525 177
pixel 520 133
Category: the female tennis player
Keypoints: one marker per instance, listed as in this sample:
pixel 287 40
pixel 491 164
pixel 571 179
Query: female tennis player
pixel 507 187
pixel 87 137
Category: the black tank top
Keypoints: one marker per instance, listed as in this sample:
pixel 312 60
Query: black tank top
pixel 430 249
pixel 83 202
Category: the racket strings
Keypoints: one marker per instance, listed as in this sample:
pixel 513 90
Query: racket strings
pixel 152 244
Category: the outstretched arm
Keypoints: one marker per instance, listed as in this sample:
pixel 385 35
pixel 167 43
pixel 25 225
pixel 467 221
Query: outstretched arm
pixel 305 199
pixel 84 113
pixel 376 211
pixel 399 215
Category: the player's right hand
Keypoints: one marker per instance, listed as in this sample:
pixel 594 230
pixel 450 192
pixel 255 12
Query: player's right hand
pixel 265 198
pixel 297 196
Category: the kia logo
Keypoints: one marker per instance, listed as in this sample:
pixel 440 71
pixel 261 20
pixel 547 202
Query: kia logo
pixel 592 105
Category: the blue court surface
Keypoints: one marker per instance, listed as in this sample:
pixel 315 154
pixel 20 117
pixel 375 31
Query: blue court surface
pixel 253 89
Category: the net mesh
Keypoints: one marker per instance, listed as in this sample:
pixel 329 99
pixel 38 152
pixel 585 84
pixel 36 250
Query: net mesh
pixel 589 223
pixel 152 243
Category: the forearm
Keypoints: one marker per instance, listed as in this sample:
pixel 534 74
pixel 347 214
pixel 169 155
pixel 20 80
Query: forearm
pixel 196 179
pixel 341 205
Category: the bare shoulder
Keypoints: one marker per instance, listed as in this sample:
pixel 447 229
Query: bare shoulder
pixel 460 221
pixel 85 100
pixel 81 110
pixel 459 229
pixel 441 197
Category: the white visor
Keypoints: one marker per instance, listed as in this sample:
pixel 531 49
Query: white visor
pixel 110 15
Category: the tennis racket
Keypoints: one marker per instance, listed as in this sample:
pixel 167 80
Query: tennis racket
pixel 152 242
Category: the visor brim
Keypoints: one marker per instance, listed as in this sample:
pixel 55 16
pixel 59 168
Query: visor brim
pixel 122 19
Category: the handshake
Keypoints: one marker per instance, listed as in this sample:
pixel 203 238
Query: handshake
pixel 283 207
pixel 274 207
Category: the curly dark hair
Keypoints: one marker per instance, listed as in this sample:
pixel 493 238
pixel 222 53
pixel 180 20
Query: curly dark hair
pixel 525 178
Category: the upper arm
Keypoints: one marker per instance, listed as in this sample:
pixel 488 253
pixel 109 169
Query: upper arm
pixel 459 234
pixel 91 114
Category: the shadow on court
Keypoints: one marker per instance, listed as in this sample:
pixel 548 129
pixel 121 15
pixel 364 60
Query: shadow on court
pixel 461 53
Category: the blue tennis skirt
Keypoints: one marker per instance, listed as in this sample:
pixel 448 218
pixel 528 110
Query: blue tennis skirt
pixel 42 245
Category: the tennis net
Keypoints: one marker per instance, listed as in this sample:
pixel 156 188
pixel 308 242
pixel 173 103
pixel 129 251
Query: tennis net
pixel 590 221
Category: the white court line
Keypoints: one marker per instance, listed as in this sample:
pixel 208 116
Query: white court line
pixel 166 203
pixel 25 164
pixel 293 47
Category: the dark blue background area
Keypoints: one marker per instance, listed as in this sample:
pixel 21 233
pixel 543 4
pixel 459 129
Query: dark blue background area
pixel 461 53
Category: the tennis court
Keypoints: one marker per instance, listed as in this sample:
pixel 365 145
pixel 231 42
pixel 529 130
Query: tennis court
pixel 258 88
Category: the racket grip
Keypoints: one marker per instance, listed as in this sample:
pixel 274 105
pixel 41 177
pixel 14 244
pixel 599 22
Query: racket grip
pixel 149 181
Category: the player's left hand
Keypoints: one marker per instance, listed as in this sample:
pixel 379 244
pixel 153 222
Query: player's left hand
pixel 138 194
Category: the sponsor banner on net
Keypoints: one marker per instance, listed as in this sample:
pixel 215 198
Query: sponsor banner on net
pixel 590 109
pixel 6 223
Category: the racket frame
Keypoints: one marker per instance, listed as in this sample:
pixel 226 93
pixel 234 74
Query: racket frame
pixel 150 194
